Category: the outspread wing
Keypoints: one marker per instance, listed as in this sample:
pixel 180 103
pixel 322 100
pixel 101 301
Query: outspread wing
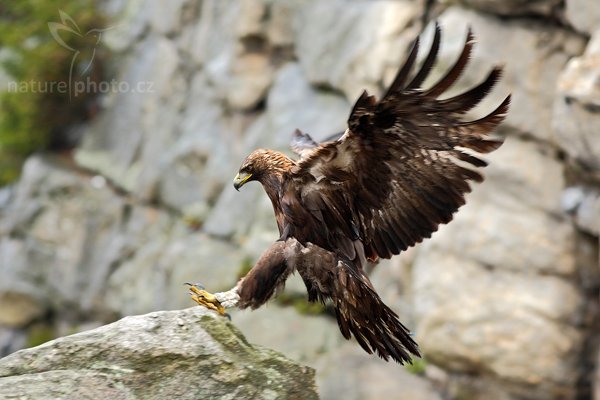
pixel 303 144
pixel 405 162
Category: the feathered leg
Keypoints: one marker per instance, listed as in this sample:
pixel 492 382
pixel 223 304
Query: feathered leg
pixel 265 279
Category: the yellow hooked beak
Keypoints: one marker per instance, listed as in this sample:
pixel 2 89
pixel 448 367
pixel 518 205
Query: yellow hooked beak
pixel 240 179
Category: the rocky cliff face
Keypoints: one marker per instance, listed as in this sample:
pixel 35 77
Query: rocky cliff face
pixel 186 354
pixel 504 300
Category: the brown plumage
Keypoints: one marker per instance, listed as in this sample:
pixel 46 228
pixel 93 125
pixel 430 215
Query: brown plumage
pixel 400 170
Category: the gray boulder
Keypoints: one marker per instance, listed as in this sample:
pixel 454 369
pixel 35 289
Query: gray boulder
pixel 541 50
pixel 576 107
pixel 185 354
pixel 581 16
pixel 334 51
pixel 499 305
pixel 514 7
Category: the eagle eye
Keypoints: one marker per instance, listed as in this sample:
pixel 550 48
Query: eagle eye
pixel 248 168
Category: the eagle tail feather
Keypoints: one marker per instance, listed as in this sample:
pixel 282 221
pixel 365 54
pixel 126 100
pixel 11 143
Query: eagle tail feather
pixel 361 313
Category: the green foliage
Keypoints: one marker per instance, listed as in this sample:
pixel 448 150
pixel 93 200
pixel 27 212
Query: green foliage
pixel 39 334
pixel 301 304
pixel 417 367
pixel 34 110
pixel 245 267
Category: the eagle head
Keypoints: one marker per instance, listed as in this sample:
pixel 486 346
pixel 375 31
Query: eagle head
pixel 261 165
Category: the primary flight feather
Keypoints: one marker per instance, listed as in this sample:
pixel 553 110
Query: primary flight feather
pixel 400 170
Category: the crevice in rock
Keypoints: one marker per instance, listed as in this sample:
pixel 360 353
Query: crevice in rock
pixel 589 284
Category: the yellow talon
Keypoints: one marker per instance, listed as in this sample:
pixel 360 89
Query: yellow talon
pixel 206 299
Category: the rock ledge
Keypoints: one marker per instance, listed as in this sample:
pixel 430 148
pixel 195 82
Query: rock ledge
pixel 184 354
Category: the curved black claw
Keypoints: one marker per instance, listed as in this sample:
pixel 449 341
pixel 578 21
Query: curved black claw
pixel 198 285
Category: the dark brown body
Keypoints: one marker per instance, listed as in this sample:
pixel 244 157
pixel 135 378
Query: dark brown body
pixel 400 170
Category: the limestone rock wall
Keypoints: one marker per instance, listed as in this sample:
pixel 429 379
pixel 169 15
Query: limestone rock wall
pixel 504 300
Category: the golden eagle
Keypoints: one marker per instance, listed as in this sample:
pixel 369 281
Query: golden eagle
pixel 400 170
